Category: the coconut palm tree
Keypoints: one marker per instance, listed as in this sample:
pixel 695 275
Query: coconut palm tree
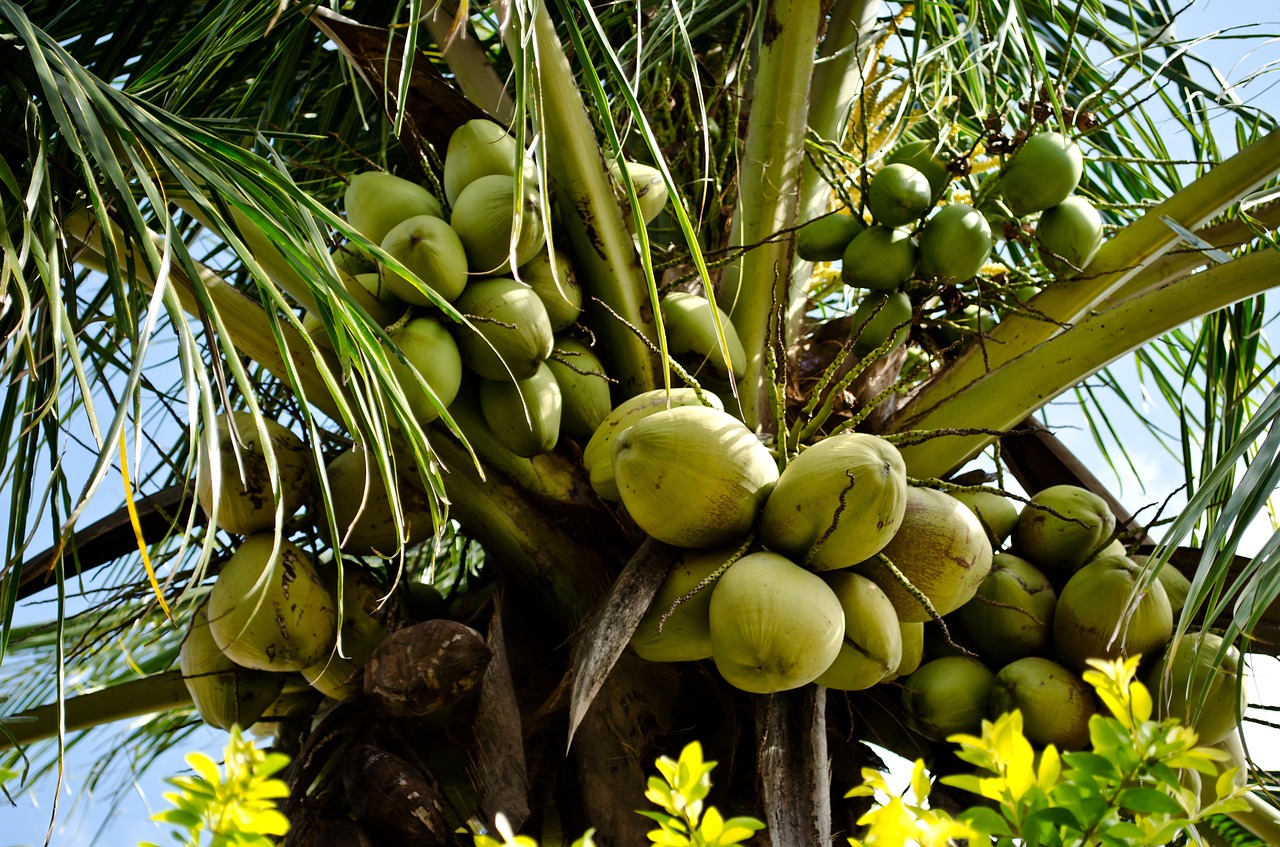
pixel 173 183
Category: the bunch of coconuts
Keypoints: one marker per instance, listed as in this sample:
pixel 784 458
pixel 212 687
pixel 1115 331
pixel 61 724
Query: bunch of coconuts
pixel 1057 594
pixel 912 237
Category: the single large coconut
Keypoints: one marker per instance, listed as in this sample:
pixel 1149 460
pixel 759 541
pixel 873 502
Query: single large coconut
pixel 362 508
pixel 954 244
pixel 1090 620
pixel 1061 527
pixel 1011 616
pixel 525 414
pixel 948 696
pixel 1197 680
pixel 692 337
pixel 650 187
pixel 872 644
pixel 584 387
pixel 269 608
pixel 556 284
pixel 774 625
pixel 926 158
pixel 837 503
pixel 486 218
pixel 940 548
pixel 693 476
pixel 224 693
pixel 341 673
pixel 898 194
pixel 597 456
pixel 1070 234
pixel 880 259
pixel 434 355
pixel 478 148
pixel 878 315
pixel 998 514
pixel 1056 703
pixel 429 248
pixel 246 495
pixel 512 334
pixel 375 202
pixel 1042 174
pixel 826 238
pixel 1175 583
pixel 685 635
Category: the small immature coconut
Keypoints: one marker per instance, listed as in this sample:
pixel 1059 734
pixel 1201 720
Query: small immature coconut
pixel 693 476
pixel 1011 616
pixel 478 148
pixel 434 354
pixel 774 625
pixel 826 238
pixel 970 321
pixel 940 548
pixel 690 323
pixel 429 248
pixel 484 218
pixel 872 644
pixel 1197 681
pixel 998 514
pixel 1070 234
pixel 363 512
pixel 224 693
pixel 651 188
pixel 879 314
pixel 837 503
pixel 425 667
pixel 954 244
pixel 880 259
pixel 1056 703
pixel 269 609
pixel 1061 527
pixel 246 495
pixel 948 696
pixel 512 334
pixel 898 194
pixel 686 634
pixel 597 456
pixel 556 284
pixel 525 414
pixel 1089 621
pixel 1042 174
pixel 376 201
pixel 584 387
pixel 925 157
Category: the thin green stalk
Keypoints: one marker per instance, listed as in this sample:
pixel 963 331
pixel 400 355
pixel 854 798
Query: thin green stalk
pixel 1000 399
pixel 769 189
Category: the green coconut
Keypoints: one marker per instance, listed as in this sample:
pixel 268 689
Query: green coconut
pixel 880 259
pixel 375 202
pixel 879 314
pixel 690 324
pixel 433 354
pixel 429 248
pixel 693 476
pixel 1056 703
pixel 1042 174
pixel 1069 235
pixel 872 645
pixel 224 693
pixel 556 285
pixel 650 187
pixel 1011 615
pixel 525 414
pixel 898 194
pixel 925 157
pixel 837 503
pixel 375 285
pixel 971 320
pixel 1175 583
pixel 1197 680
pixel 912 633
pixel 478 148
pixel 269 609
pixel 1061 527
pixel 597 456
pixel 584 387
pixel 512 333
pixel 998 514
pixel 246 495
pixel 485 220
pixel 774 625
pixel 1093 620
pixel 341 674
pixel 685 635
pixel 826 238
pixel 954 244
pixel 363 513
pixel 947 696
pixel 941 549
